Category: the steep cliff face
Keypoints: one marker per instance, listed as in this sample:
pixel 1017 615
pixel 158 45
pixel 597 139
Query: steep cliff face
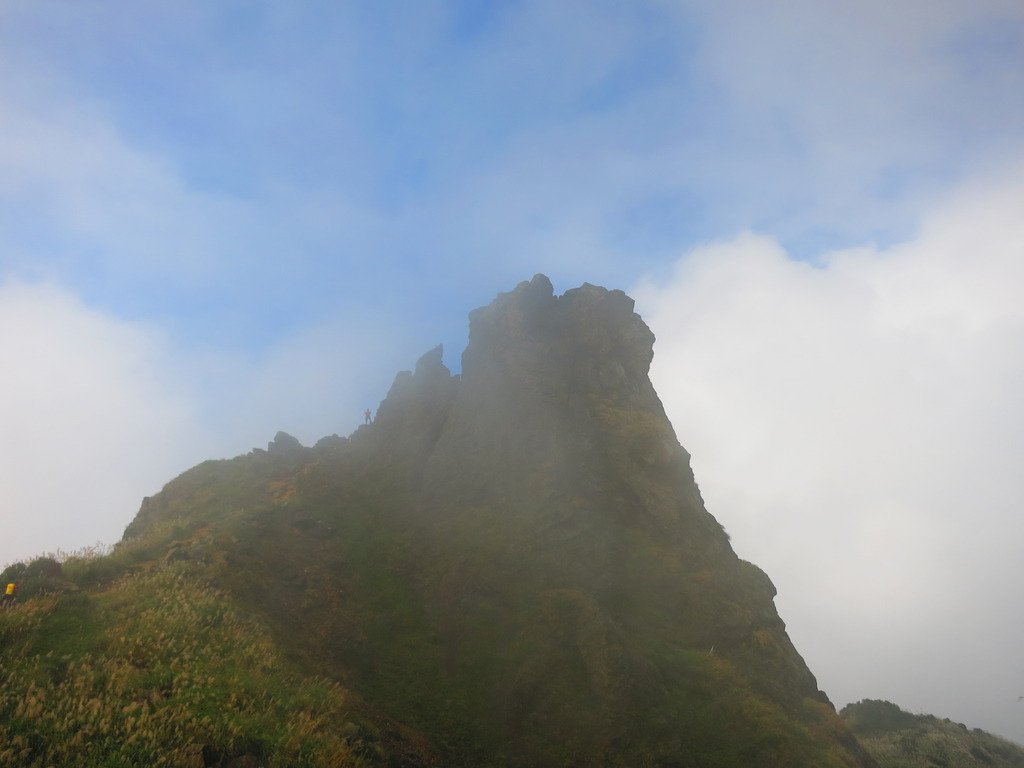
pixel 517 562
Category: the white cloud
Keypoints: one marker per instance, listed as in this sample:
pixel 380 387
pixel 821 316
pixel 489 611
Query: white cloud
pixel 857 427
pixel 72 181
pixel 848 117
pixel 314 382
pixel 97 412
pixel 91 417
pixel 83 196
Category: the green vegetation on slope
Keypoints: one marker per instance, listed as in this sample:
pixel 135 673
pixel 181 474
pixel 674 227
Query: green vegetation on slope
pixel 458 639
pixel 319 576
pixel 898 739
pixel 158 668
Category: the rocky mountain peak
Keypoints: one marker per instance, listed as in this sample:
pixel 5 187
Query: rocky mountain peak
pixel 588 332
pixel 517 562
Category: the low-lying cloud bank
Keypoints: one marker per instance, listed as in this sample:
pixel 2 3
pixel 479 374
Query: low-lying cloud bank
pixel 98 411
pixel 91 413
pixel 856 424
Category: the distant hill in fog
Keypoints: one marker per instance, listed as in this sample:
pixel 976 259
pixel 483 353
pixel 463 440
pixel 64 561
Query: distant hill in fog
pixel 898 739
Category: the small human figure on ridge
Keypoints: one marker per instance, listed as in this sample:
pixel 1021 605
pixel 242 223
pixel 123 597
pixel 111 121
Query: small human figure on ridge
pixel 366 414
pixel 8 597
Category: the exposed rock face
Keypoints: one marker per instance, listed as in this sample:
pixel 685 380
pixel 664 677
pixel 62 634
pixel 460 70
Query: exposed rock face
pixel 284 444
pixel 530 576
pixel 412 416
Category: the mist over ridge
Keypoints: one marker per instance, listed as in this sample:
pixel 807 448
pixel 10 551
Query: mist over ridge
pixel 515 564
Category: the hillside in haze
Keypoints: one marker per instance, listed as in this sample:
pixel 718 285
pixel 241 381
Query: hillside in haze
pixel 898 739
pixel 510 567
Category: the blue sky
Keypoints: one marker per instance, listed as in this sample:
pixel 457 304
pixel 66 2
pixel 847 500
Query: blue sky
pixel 335 154
pixel 218 220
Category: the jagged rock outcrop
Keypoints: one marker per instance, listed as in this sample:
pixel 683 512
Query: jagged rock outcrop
pixel 284 444
pixel 412 416
pixel 517 563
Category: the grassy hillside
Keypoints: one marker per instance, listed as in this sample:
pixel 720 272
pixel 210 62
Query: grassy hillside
pixel 898 739
pixel 158 667
pixel 135 658
pixel 264 590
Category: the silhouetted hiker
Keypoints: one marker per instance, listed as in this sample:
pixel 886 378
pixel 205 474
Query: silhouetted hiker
pixel 8 597
pixel 366 413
